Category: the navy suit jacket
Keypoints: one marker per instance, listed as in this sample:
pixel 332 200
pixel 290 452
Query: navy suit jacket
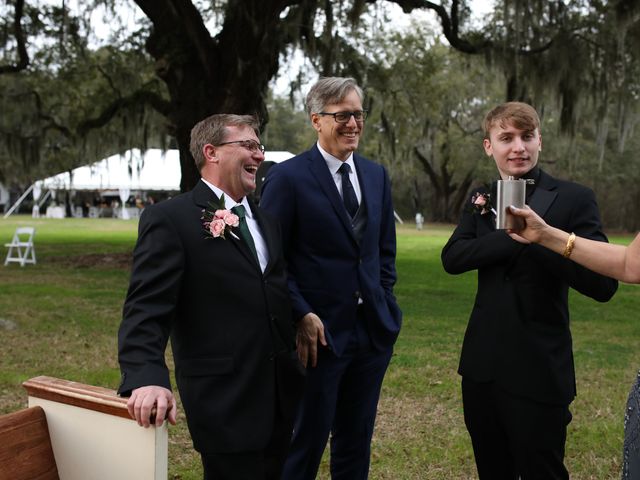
pixel 328 269
pixel 230 325
pixel 518 334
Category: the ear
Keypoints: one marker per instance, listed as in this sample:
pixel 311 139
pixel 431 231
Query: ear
pixel 540 143
pixel 210 153
pixel 315 121
pixel 486 143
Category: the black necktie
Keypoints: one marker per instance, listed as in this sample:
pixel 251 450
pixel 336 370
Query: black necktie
pixel 245 234
pixel 348 194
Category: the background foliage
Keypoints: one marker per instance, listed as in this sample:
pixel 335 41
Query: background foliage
pixel 69 96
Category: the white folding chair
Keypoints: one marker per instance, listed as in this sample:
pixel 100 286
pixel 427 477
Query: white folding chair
pixel 21 249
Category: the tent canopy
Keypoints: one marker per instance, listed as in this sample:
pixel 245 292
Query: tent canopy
pixel 154 169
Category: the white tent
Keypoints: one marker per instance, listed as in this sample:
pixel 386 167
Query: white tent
pixel 4 194
pixel 152 170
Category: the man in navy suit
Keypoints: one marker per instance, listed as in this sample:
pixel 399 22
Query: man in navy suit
pixel 516 364
pixel 209 272
pixel 339 240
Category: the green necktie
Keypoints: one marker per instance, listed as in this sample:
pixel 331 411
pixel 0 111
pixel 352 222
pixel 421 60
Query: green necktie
pixel 240 211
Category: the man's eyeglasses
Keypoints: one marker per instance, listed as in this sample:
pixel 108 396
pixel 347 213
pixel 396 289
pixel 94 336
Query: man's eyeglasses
pixel 344 117
pixel 250 145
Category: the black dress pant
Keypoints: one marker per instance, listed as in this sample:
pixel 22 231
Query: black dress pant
pixel 514 438
pixel 265 464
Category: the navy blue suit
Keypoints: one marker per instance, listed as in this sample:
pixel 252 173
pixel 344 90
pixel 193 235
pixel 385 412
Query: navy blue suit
pixel 346 277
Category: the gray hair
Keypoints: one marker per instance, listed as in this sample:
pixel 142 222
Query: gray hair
pixel 213 130
pixel 329 91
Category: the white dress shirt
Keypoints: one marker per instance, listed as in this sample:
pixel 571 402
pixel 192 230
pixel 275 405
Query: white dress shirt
pixel 252 223
pixel 334 164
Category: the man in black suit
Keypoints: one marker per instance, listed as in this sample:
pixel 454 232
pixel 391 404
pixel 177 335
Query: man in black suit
pixel 208 272
pixel 517 362
pixel 340 244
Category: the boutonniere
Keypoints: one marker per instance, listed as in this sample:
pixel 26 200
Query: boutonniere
pixel 217 221
pixel 482 203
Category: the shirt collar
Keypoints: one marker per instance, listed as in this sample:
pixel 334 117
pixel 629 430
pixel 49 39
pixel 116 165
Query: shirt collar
pixel 229 202
pixel 533 174
pixel 334 163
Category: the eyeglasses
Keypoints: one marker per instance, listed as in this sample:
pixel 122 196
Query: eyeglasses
pixel 344 117
pixel 250 145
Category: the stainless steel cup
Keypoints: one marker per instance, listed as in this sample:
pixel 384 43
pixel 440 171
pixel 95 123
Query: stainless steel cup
pixel 510 192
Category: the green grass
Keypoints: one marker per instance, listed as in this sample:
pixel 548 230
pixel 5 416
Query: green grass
pixel 67 308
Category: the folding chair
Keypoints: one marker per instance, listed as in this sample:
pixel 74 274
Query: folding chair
pixel 21 249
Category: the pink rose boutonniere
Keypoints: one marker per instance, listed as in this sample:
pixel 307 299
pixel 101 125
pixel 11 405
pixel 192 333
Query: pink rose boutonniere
pixel 217 222
pixel 482 202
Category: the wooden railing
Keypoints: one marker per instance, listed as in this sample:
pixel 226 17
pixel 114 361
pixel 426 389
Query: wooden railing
pixel 92 435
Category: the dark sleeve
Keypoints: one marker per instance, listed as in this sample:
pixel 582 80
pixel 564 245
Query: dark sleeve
pixel 278 197
pixel 466 250
pixel 387 245
pixel 151 303
pixel 584 222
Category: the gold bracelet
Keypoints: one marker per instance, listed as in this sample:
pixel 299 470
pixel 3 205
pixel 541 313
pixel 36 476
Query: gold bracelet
pixel 569 248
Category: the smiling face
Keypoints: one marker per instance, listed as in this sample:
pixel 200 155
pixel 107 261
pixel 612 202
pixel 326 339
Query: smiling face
pixel 233 167
pixel 514 150
pixel 339 139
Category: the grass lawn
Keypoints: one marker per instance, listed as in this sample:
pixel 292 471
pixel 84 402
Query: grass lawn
pixel 60 318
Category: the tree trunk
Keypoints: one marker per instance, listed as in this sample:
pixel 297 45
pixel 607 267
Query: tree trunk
pixel 228 73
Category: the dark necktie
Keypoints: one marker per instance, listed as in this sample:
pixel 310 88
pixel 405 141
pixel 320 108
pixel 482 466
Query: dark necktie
pixel 348 194
pixel 245 234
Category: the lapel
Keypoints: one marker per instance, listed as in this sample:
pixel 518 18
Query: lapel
pixel 203 196
pixel 373 205
pixel 544 194
pixel 268 231
pixel 321 173
pixel 540 201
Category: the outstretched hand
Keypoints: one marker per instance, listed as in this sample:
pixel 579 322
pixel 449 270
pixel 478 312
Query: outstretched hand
pixel 310 332
pixel 534 225
pixel 144 400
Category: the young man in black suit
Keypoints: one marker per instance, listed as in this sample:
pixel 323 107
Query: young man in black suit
pixel 517 362
pixel 208 272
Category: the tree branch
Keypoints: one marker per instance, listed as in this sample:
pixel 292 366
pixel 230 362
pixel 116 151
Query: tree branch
pixel 450 28
pixel 449 24
pixel 433 176
pixel 23 56
pixel 139 97
pixel 183 18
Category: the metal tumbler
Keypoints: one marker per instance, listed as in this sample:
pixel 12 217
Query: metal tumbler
pixel 510 192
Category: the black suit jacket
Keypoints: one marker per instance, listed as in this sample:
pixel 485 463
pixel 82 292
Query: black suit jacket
pixel 518 334
pixel 230 325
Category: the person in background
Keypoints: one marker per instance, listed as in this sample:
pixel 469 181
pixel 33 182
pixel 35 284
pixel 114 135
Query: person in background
pixel 208 272
pixel 616 261
pixel 340 245
pixel 516 363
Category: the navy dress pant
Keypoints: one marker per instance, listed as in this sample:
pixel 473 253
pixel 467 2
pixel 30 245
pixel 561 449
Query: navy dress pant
pixel 341 400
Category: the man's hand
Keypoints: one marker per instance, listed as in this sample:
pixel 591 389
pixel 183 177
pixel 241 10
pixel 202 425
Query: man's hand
pixel 310 332
pixel 144 399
